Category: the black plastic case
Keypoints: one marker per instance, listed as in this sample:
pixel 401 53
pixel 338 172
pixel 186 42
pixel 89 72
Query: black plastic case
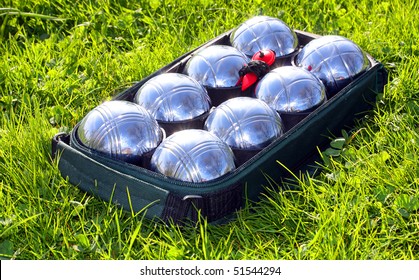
pixel 138 188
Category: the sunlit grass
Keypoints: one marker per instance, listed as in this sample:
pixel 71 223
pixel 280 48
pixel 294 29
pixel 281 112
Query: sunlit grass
pixel 363 205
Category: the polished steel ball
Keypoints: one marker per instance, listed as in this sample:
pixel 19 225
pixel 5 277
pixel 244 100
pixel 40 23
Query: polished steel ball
pixel 193 155
pixel 216 66
pixel 121 130
pixel 173 97
pixel 291 89
pixel 264 33
pixel 333 59
pixel 245 123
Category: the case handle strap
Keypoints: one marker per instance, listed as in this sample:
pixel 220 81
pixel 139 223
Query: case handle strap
pixel 215 207
pixel 63 137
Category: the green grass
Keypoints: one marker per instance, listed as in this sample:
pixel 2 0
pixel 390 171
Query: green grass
pixel 62 58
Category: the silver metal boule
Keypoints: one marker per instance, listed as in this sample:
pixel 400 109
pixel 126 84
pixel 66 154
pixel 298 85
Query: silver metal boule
pixel 193 155
pixel 264 33
pixel 121 130
pixel 333 59
pixel 216 66
pixel 290 89
pixel 173 97
pixel 245 123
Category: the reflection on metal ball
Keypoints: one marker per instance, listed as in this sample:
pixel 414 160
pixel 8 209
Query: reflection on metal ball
pixel 173 97
pixel 121 130
pixel 291 89
pixel 245 123
pixel 333 59
pixel 193 155
pixel 216 66
pixel 264 33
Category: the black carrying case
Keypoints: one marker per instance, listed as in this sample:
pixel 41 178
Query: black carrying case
pixel 139 189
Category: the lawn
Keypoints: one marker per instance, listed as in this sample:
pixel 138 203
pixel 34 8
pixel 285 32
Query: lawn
pixel 60 59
